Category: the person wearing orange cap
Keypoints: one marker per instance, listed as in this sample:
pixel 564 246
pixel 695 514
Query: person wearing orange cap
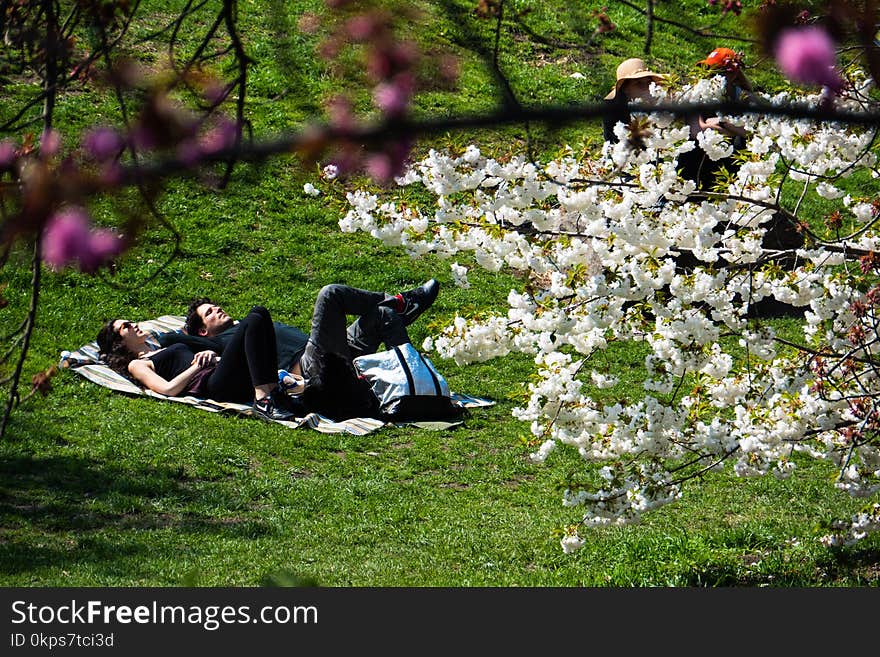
pixel 695 164
pixel 728 63
pixel 633 82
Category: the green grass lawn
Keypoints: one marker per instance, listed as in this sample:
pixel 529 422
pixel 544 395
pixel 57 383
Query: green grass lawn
pixel 101 489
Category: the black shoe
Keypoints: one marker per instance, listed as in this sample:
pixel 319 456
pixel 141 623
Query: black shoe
pixel 273 406
pixel 417 301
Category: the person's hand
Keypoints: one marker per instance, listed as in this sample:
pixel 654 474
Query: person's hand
pixel 728 128
pixel 205 358
pixel 712 124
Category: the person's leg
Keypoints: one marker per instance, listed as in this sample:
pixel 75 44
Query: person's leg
pixel 334 303
pixel 412 303
pixel 332 386
pixel 330 336
pixel 248 361
pixel 380 325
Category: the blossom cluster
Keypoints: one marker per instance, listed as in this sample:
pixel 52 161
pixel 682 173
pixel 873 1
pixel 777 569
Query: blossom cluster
pixel 621 247
pixel 52 180
pixel 393 67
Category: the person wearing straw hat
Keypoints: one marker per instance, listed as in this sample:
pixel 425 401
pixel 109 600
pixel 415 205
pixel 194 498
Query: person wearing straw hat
pixel 633 82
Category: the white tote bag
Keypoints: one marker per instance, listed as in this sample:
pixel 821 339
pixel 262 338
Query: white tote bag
pixel 400 372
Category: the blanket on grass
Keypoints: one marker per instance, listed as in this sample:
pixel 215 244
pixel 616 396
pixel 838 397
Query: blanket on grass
pixel 85 362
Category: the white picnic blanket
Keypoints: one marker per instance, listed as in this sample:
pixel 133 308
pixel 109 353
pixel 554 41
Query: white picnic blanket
pixel 85 362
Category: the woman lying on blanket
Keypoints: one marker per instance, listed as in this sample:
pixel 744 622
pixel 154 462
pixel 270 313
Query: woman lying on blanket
pixel 247 370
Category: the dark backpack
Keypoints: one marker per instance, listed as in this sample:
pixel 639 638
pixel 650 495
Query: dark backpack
pixel 339 393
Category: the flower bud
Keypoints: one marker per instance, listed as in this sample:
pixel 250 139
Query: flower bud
pixel 807 55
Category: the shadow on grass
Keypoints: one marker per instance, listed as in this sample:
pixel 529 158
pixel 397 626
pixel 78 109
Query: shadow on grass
pixel 64 511
pixel 846 567
pixel 859 565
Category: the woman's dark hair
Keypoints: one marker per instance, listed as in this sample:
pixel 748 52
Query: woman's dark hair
pixel 113 350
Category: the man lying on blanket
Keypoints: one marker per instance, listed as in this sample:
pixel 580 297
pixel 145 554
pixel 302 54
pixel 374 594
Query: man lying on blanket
pixel 320 364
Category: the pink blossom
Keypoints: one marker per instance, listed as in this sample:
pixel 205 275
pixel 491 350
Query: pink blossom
pixel 379 167
pixel 345 160
pixel 807 55
pixel 65 237
pixel 102 143
pixel 188 152
pixel 404 53
pixel 144 137
pixel 68 238
pixel 393 97
pixel 103 246
pixel 361 27
pixel 7 154
pixel 379 63
pixel 50 143
pixel 216 91
pixel 111 173
pixel 220 137
pixel 385 165
pixel 341 113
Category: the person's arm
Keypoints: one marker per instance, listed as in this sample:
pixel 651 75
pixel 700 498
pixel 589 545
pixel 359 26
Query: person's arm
pixel 699 124
pixel 731 129
pixel 142 369
pixel 194 342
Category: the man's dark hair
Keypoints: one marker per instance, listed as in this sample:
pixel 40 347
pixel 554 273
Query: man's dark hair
pixel 194 323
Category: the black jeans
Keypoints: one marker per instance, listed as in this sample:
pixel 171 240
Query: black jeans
pixel 332 385
pixel 248 360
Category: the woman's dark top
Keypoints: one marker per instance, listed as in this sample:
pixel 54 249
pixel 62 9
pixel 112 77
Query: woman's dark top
pixel 617 113
pixel 171 361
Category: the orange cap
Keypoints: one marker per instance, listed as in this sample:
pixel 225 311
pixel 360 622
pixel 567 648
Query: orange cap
pixel 718 56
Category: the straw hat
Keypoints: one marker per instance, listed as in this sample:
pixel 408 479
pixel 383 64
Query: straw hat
pixel 632 69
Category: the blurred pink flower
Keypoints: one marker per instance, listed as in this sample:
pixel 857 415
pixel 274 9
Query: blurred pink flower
pixel 379 167
pixel 362 27
pixel 68 237
pixel 103 246
pixel 385 165
pixel 50 143
pixel 103 143
pixel 65 237
pixel 220 137
pixel 341 113
pixel 404 53
pixel 216 91
pixel 189 152
pixel 7 154
pixel 393 97
pixel 807 55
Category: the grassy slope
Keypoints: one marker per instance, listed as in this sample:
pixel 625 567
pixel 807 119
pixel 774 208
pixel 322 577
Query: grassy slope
pixel 101 489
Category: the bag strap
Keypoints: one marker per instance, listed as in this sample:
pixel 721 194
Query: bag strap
pixel 430 369
pixel 409 377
